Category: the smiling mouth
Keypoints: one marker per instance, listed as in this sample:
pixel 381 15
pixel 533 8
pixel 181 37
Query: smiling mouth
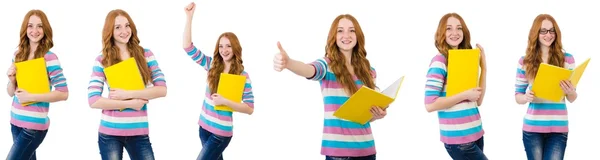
pixel 35 35
pixel 346 41
pixel 124 36
pixel 225 54
pixel 454 38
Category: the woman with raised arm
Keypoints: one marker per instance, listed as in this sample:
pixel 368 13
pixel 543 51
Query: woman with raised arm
pixel 29 113
pixel 127 128
pixel 344 69
pixel 461 129
pixel 216 126
pixel 545 125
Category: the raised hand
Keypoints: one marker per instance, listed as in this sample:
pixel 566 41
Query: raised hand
pixel 189 9
pixel 281 59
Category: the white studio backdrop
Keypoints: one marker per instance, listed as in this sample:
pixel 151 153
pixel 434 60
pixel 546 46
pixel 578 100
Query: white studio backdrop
pixel 288 120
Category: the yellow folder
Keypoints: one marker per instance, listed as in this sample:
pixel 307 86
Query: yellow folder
pixel 32 77
pixel 124 75
pixel 357 107
pixel 230 87
pixel 463 70
pixel 546 85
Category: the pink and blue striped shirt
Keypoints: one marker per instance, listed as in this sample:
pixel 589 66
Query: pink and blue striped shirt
pixel 128 122
pixel 341 137
pixel 543 116
pixel 460 123
pixel 216 121
pixel 35 116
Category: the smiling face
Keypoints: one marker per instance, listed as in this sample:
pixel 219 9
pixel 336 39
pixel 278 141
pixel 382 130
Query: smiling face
pixel 35 32
pixel 122 30
pixel 547 33
pixel 454 32
pixel 346 35
pixel 225 49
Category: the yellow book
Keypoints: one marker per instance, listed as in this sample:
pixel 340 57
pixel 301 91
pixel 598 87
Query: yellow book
pixel 546 85
pixel 124 75
pixel 230 87
pixel 32 76
pixel 357 107
pixel 463 70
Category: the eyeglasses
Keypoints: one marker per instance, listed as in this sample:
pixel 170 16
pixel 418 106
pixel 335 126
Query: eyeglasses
pixel 545 31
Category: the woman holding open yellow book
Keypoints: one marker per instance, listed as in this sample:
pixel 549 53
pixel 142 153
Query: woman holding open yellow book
pixel 124 122
pixel 216 117
pixel 545 125
pixel 35 70
pixel 344 69
pixel 460 123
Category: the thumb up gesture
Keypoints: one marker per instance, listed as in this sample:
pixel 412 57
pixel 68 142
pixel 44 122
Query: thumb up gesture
pixel 281 59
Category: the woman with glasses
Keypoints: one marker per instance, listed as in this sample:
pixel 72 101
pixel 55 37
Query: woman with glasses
pixel 545 126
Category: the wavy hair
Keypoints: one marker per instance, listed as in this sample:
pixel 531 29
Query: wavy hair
pixel 45 44
pixel 111 53
pixel 218 64
pixel 337 64
pixel 533 54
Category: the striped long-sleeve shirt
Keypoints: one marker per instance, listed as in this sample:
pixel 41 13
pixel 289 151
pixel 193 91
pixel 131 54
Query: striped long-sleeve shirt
pixel 216 121
pixel 341 137
pixel 35 116
pixel 460 123
pixel 128 122
pixel 543 116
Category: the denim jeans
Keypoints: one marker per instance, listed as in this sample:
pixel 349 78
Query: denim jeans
pixel 545 146
pixel 138 147
pixel 212 145
pixel 25 142
pixel 466 151
pixel 371 157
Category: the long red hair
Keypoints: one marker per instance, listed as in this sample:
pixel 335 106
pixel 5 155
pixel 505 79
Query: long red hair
pixel 362 67
pixel 111 53
pixel 533 55
pixel 45 44
pixel 218 64
pixel 440 35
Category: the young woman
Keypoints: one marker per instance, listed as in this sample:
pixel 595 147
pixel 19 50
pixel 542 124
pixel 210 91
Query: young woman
pixel 127 128
pixel 29 124
pixel 460 123
pixel 341 72
pixel 545 126
pixel 216 126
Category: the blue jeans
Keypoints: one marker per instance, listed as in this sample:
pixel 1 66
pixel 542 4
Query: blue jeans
pixel 466 151
pixel 212 145
pixel 138 147
pixel 25 142
pixel 371 157
pixel 545 146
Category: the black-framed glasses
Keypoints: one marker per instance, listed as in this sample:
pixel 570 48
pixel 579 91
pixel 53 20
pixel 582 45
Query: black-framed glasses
pixel 545 31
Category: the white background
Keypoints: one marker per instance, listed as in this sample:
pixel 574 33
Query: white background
pixel 288 121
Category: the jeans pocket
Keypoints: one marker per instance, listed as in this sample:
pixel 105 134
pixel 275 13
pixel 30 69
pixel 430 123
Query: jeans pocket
pixel 218 138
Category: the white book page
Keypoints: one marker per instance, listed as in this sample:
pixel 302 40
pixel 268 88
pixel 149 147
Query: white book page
pixel 392 90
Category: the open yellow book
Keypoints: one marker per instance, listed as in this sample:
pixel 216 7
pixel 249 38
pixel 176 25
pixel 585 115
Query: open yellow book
pixel 546 84
pixel 230 87
pixel 463 70
pixel 124 75
pixel 32 76
pixel 357 107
